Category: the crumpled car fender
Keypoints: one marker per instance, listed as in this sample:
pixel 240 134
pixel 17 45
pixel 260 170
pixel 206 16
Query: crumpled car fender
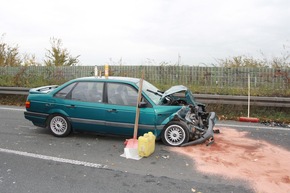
pixel 168 119
pixel 177 116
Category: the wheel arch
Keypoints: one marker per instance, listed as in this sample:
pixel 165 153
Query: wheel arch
pixel 53 112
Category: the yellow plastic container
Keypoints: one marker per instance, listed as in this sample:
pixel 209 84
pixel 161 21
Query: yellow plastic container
pixel 152 141
pixel 146 144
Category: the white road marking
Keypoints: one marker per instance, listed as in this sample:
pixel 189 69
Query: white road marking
pixel 56 159
pixel 12 109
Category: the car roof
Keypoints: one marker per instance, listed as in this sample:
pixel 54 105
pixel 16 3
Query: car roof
pixel 109 79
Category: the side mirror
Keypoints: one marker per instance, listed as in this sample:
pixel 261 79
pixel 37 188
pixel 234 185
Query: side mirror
pixel 142 104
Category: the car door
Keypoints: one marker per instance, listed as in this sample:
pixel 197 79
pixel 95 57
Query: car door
pixel 120 110
pixel 84 106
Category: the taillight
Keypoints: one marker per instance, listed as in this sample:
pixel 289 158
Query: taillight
pixel 27 104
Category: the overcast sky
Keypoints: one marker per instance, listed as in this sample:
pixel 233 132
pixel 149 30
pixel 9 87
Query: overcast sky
pixel 144 31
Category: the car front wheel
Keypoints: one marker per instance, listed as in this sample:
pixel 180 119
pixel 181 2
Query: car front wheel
pixel 175 133
pixel 59 126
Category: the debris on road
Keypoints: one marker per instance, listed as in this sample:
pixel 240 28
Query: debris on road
pixel 275 124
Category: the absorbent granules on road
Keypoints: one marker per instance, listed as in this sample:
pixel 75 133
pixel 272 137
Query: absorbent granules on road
pixel 235 155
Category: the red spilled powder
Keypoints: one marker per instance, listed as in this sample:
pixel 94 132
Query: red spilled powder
pixel 233 155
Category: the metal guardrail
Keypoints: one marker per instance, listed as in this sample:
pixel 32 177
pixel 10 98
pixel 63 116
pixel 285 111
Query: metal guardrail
pixel 243 100
pixel 203 98
pixel 14 90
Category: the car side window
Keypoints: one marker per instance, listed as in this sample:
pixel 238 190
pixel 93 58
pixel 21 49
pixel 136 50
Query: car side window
pixel 63 93
pixel 122 94
pixel 88 92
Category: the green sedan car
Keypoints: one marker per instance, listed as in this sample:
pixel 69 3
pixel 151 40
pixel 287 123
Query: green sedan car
pixel 108 106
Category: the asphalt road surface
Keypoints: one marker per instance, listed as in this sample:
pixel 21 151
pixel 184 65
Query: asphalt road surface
pixel 32 160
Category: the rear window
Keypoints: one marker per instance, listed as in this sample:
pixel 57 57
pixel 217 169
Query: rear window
pixel 63 93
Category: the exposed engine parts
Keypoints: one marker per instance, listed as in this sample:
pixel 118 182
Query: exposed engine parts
pixel 199 123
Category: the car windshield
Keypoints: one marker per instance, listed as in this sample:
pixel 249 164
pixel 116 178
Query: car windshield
pixel 151 91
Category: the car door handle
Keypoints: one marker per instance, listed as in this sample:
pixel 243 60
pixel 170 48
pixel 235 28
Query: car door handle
pixel 112 110
pixel 70 106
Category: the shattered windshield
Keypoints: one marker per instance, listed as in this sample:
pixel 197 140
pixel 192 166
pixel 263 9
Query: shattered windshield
pixel 151 91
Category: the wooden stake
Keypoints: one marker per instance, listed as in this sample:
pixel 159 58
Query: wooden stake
pixel 137 106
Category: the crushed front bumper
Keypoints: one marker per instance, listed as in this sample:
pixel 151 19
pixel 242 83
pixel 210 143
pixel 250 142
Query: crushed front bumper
pixel 208 135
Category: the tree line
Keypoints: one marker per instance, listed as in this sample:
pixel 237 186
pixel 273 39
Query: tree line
pixel 57 55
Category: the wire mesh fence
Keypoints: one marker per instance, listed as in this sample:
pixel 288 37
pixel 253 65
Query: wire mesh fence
pixel 207 79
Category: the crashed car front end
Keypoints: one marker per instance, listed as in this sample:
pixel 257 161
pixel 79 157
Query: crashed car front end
pixel 200 124
pixel 193 115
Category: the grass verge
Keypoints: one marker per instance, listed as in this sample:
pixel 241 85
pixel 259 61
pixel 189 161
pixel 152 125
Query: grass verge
pixel 265 114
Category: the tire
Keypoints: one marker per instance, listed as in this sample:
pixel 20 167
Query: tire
pixel 175 133
pixel 59 125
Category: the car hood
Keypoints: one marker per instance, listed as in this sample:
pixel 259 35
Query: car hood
pixel 178 92
pixel 174 89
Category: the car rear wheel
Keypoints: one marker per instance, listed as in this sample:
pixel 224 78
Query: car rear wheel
pixel 175 133
pixel 59 126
